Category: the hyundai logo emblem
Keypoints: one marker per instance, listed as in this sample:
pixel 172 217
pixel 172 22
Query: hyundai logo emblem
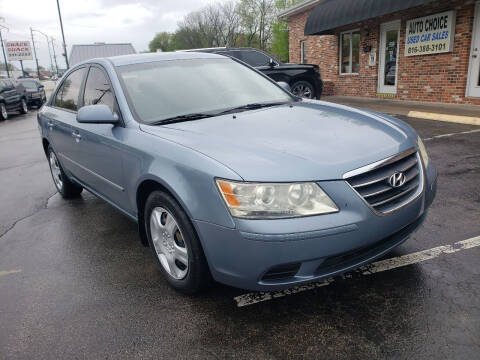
pixel 397 179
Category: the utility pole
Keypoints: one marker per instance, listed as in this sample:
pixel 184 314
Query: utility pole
pixel 3 49
pixel 35 52
pixel 48 44
pixel 63 35
pixel 54 55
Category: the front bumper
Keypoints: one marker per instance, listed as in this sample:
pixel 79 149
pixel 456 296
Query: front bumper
pixel 34 98
pixel 309 248
pixel 318 88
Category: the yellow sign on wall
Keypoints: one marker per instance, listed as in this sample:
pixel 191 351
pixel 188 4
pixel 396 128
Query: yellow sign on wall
pixel 430 34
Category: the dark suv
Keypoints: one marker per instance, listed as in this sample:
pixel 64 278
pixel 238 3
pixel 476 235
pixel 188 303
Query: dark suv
pixel 12 98
pixel 304 79
pixel 35 92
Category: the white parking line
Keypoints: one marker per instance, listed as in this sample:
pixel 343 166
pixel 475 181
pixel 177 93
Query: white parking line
pixel 9 272
pixel 451 134
pixel 379 266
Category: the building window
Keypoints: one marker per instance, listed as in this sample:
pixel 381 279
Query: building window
pixel 350 52
pixel 303 52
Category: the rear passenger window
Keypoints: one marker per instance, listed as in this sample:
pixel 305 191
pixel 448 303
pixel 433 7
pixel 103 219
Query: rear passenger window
pixel 224 53
pixel 97 89
pixel 236 54
pixel 255 58
pixel 67 95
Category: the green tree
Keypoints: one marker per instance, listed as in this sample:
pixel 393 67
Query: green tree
pixel 280 38
pixel 162 41
pixel 257 18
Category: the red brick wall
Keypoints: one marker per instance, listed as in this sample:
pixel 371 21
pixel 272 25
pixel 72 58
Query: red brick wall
pixel 436 77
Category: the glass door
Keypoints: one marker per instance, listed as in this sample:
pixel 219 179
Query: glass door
pixel 388 57
pixel 473 83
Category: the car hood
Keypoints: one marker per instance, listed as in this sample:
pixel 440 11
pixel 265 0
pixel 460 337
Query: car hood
pixel 310 140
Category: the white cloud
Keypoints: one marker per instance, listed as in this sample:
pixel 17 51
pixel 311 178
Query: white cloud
pixel 88 21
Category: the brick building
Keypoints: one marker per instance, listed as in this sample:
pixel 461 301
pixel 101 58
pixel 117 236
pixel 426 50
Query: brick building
pixel 420 50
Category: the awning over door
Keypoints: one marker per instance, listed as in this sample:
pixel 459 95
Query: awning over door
pixel 332 14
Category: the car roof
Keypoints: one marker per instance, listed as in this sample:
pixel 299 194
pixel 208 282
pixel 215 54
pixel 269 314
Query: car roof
pixel 220 49
pixel 153 57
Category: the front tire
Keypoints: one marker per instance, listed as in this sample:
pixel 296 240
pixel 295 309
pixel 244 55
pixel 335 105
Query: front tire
pixel 64 186
pixel 23 106
pixel 175 245
pixel 3 112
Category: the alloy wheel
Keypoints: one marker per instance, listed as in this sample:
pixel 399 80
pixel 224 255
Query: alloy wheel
pixel 56 172
pixel 170 247
pixel 302 91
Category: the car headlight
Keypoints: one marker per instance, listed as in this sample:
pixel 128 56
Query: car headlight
pixel 423 152
pixel 274 200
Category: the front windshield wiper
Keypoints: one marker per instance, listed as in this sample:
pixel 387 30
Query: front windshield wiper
pixel 180 118
pixel 252 106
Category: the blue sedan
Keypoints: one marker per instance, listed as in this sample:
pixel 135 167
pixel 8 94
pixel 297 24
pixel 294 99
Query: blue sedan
pixel 229 176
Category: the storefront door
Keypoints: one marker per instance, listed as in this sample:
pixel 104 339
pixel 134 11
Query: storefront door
pixel 388 57
pixel 473 83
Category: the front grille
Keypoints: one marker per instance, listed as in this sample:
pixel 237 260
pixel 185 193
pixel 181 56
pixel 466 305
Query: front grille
pixel 374 188
pixel 281 272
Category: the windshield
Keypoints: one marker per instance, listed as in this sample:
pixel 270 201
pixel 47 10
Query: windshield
pixel 29 85
pixel 166 89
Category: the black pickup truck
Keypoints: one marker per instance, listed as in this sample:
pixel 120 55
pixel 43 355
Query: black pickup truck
pixel 304 79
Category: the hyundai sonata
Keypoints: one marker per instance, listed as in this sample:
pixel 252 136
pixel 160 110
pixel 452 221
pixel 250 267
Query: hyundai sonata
pixel 231 177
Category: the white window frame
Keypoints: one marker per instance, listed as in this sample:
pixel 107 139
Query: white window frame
pixel 303 49
pixel 340 48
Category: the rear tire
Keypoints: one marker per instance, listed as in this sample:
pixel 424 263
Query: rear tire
pixel 3 112
pixel 64 185
pixel 303 89
pixel 175 245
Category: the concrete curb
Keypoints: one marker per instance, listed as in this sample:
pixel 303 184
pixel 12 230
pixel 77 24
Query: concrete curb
pixel 470 120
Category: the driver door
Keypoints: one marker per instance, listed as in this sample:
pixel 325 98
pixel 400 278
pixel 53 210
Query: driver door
pixel 99 147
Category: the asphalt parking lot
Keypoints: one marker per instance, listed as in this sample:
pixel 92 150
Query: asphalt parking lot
pixel 76 283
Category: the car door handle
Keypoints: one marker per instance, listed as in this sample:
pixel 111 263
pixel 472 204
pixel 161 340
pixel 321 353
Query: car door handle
pixel 50 125
pixel 77 136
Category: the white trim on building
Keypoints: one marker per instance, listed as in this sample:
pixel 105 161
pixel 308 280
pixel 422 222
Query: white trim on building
pixel 302 6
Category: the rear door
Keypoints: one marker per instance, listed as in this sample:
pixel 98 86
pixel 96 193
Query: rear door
pixel 61 116
pixel 99 146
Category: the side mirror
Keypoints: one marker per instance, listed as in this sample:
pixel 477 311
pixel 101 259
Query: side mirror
pixel 96 114
pixel 40 87
pixel 271 63
pixel 284 86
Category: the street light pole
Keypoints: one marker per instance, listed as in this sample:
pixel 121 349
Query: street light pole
pixel 48 44
pixel 35 53
pixel 3 49
pixel 63 35
pixel 54 55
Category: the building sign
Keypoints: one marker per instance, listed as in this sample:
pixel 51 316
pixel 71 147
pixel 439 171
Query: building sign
pixel 431 34
pixel 18 50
